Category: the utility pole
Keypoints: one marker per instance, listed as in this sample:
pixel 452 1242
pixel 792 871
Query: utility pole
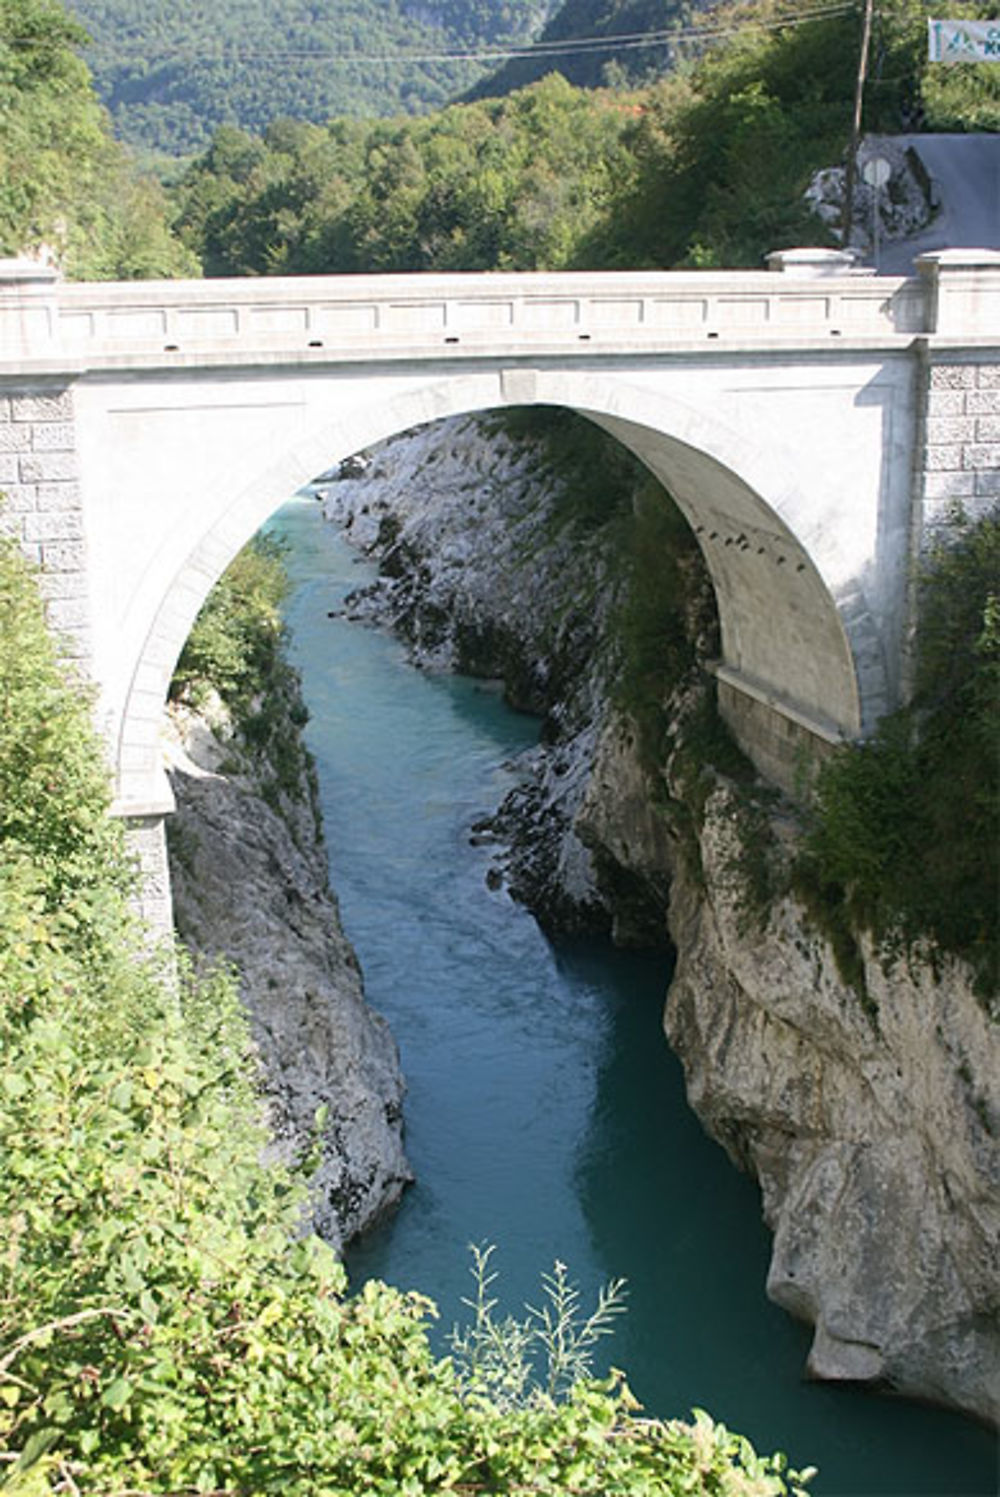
pixel 852 154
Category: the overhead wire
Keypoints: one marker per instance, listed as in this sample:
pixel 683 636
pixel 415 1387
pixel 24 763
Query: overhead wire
pixel 540 50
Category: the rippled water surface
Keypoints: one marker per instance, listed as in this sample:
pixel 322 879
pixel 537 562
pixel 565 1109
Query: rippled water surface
pixel 545 1112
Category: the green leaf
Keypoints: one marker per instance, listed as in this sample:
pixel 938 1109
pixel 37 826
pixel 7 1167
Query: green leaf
pixel 117 1394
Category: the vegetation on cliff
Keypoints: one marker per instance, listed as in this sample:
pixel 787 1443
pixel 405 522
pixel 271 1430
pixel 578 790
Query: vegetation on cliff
pixel 164 1324
pixel 236 653
pixel 906 828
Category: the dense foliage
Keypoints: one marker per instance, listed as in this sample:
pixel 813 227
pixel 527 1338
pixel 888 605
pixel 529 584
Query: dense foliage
pixel 172 73
pixel 165 1324
pixel 514 184
pixel 908 824
pixel 903 90
pixel 64 182
pixel 235 644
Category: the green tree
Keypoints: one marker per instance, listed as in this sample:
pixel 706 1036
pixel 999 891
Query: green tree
pixel 64 182
pixel 51 125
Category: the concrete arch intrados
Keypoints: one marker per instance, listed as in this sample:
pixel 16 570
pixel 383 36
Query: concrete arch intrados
pixel 720 477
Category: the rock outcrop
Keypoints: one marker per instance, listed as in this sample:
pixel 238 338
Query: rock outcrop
pixel 873 1127
pixel 250 889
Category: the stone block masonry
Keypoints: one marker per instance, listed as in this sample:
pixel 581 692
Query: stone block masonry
pixel 42 506
pixel 147 844
pixel 962 441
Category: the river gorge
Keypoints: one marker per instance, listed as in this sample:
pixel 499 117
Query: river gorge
pixel 545 1111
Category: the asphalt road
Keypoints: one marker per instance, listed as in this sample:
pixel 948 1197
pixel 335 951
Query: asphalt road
pixel 966 172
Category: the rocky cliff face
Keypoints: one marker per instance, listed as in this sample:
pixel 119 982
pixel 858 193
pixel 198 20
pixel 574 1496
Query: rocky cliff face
pixel 873 1130
pixel 250 889
pixel 873 1127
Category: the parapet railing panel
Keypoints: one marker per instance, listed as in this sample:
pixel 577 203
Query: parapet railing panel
pixel 357 317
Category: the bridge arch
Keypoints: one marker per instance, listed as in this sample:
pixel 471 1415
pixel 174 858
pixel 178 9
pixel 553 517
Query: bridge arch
pixel 796 637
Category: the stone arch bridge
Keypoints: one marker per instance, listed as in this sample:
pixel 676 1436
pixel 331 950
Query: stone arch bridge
pixel 812 424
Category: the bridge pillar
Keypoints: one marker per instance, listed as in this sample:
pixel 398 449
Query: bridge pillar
pixel 146 839
pixel 41 508
pixel 961 448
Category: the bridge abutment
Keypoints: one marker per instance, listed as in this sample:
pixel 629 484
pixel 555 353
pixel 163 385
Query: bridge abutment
pixel 42 509
pixel 961 467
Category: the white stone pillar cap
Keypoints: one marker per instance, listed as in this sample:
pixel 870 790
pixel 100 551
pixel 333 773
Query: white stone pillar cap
pixel 27 272
pixel 963 291
pixel 959 259
pixel 811 260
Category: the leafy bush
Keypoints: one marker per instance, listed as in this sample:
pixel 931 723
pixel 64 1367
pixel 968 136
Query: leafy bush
pixel 905 838
pixel 499 1359
pixel 237 636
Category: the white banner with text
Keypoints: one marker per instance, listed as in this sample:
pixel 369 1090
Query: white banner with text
pixel 963 41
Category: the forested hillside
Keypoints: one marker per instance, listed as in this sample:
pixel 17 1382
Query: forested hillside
pixel 171 72
pixel 596 42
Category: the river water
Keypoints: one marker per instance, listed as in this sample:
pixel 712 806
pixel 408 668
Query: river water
pixel 545 1112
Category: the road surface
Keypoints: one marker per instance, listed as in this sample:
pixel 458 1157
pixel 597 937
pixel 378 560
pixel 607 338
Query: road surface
pixel 965 170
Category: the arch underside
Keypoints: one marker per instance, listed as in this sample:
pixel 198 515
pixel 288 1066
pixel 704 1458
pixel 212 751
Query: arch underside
pixel 787 649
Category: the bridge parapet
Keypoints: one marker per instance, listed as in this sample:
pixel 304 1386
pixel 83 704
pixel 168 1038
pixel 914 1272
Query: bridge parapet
pixel 45 323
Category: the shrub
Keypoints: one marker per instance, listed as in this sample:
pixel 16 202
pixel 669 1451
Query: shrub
pixel 236 651
pixel 906 826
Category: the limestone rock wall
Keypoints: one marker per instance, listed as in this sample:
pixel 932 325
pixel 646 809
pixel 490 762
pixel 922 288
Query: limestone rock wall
pixel 874 1131
pixel 873 1128
pixel 250 888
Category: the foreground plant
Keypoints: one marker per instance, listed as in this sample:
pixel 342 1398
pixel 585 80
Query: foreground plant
pixel 517 1363
pixel 166 1326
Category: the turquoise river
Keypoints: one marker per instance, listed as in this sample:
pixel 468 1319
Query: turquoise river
pixel 545 1112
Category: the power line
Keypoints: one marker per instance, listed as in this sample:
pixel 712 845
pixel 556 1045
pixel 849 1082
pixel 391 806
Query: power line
pixel 542 50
